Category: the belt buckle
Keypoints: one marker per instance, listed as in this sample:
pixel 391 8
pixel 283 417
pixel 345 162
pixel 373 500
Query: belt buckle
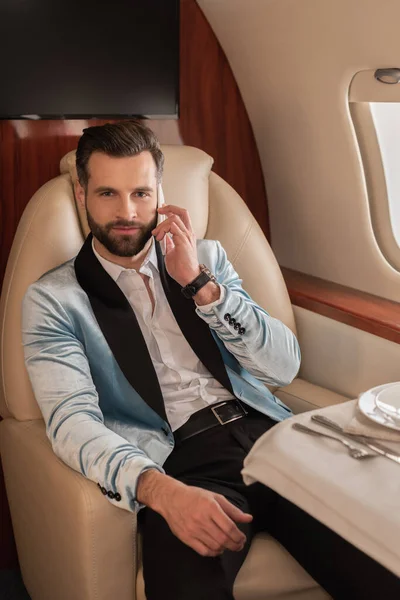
pixel 219 419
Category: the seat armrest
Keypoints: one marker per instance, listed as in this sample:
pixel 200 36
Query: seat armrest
pixel 301 395
pixel 71 541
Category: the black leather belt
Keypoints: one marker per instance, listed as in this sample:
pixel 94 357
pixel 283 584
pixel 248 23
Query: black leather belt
pixel 220 413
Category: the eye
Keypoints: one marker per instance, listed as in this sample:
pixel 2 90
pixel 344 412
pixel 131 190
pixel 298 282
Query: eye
pixel 106 194
pixel 142 194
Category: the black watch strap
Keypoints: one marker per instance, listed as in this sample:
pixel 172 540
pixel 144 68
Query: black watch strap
pixel 200 281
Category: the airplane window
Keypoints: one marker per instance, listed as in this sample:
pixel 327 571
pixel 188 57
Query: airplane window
pixel 375 112
pixel 386 118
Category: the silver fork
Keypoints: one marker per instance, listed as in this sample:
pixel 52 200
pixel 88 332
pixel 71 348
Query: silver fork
pixel 354 452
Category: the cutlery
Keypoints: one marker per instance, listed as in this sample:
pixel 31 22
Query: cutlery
pixel 375 446
pixel 354 452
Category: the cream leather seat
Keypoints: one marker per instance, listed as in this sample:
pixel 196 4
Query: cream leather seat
pixel 72 543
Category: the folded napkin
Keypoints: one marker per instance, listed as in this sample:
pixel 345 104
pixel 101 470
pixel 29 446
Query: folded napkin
pixel 361 425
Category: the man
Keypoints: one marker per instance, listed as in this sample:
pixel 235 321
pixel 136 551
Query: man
pixel 150 374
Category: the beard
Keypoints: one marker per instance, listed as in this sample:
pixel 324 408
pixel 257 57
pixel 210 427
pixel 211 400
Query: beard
pixel 119 244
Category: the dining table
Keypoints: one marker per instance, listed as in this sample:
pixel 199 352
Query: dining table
pixel 359 499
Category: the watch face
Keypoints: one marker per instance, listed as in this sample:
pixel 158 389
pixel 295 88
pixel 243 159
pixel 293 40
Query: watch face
pixel 189 291
pixel 192 288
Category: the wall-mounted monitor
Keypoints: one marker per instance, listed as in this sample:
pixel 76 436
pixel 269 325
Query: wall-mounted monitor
pixel 88 58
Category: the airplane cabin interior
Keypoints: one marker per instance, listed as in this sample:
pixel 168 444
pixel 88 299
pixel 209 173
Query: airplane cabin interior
pixel 279 122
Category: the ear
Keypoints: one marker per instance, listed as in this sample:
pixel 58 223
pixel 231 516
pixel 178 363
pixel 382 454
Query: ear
pixel 80 193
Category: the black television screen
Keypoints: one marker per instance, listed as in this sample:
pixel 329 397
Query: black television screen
pixel 87 58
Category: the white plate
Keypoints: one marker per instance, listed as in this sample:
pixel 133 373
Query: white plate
pixel 367 405
pixel 388 400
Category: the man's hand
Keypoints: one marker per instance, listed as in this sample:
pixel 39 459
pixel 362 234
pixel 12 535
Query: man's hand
pixel 203 520
pixel 181 253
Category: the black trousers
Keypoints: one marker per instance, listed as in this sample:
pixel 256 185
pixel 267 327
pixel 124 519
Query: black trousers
pixel 213 460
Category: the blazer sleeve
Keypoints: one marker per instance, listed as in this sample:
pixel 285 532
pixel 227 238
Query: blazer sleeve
pixel 60 375
pixel 262 345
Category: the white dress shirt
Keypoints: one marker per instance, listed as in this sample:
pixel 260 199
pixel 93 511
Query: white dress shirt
pixel 186 385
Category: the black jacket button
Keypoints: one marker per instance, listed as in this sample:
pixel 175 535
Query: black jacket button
pixel 227 316
pixel 117 497
pixel 104 491
pixel 232 321
pixel 111 495
pixel 242 331
pixel 237 326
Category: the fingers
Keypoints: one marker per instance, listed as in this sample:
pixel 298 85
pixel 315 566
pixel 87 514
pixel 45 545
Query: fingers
pixel 232 511
pixel 205 521
pixel 206 539
pixel 176 214
pixel 167 226
pixel 179 211
pixel 228 528
pixel 207 536
pixel 221 533
pixel 202 549
pixel 215 541
pixel 218 541
pixel 179 234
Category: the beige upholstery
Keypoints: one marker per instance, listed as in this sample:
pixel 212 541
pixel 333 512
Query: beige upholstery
pixel 342 358
pixel 302 395
pixel 72 544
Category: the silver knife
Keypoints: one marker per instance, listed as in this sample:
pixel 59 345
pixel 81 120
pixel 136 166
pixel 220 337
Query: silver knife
pixel 376 446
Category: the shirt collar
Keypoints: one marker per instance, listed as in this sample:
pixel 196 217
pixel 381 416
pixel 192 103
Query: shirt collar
pixel 115 270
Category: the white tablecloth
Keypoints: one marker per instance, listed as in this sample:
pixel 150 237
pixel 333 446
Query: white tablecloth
pixel 359 500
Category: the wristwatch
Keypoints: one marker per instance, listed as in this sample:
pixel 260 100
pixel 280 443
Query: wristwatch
pixel 200 281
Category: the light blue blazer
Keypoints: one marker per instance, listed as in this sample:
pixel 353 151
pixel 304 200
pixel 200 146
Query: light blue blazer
pixel 94 380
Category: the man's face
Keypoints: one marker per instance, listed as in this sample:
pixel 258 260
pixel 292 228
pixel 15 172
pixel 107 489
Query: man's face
pixel 121 201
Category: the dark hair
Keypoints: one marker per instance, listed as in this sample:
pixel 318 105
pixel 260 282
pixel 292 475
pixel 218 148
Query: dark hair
pixel 126 138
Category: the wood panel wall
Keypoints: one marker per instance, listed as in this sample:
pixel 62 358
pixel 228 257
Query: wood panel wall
pixel 212 117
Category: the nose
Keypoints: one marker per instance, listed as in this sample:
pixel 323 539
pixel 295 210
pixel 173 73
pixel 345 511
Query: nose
pixel 127 209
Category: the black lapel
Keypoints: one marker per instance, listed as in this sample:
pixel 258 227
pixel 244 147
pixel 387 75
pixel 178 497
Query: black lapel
pixel 119 325
pixel 195 330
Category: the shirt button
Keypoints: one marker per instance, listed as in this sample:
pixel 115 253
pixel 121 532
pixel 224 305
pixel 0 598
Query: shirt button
pixel 227 316
pixel 104 491
pixel 242 331
pixel 232 321
pixel 111 495
pixel 237 326
pixel 117 497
